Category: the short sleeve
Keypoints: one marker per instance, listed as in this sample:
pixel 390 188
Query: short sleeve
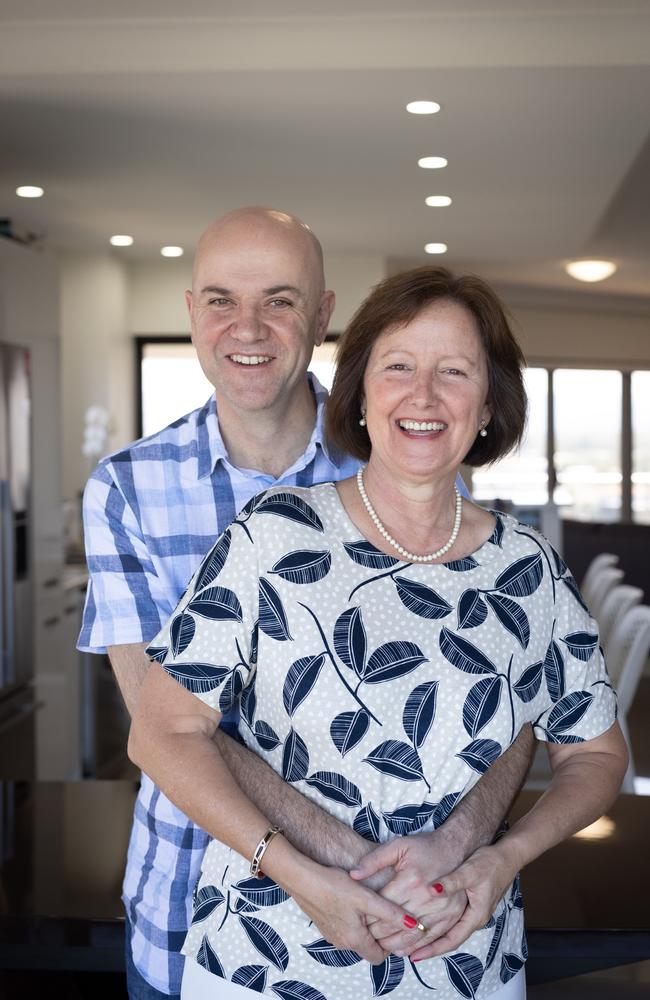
pixel 580 700
pixel 208 644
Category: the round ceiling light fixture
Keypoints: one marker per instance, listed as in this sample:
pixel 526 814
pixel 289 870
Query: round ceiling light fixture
pixel 423 107
pixel 432 162
pixel 438 200
pixel 435 248
pixel 29 191
pixel 171 251
pixel 121 240
pixel 590 270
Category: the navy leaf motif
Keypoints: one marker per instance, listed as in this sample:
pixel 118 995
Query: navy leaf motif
pixel 326 954
pixel 419 712
pixel 530 682
pixel 516 898
pixel 243 906
pixel 292 507
pixel 348 729
pixel 230 692
pixel 214 562
pixel 497 535
pixel 464 654
pixel 465 973
pixel 291 989
pixel 273 618
pixel 350 640
pixel 408 819
pixel 581 644
pixel 510 966
pixel 199 678
pixel 252 977
pixel 295 758
pixel 267 737
pixel 496 938
pixel 421 600
pixel 366 824
pixel 472 609
pixel 481 704
pixel 522 577
pixel 387 975
pixel 444 808
pixel 568 711
pixel 300 679
pixel 524 946
pixel 462 565
pixel 366 554
pixel 512 616
pixel 396 758
pixel 157 654
pixel 208 958
pixel 267 941
pixel 254 640
pixel 261 891
pixel 303 566
pixel 182 632
pixel 554 671
pixel 217 604
pixel 569 581
pixel 480 754
pixel 251 505
pixel 208 899
pixel 564 738
pixel 334 786
pixel 248 704
pixel 393 659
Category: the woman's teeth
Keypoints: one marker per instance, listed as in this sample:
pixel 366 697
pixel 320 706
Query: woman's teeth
pixel 421 425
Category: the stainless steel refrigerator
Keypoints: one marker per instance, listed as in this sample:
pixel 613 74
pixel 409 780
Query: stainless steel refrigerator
pixel 17 620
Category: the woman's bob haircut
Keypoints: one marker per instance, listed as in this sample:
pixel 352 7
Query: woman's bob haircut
pixel 393 303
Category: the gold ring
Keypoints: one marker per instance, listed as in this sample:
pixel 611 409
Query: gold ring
pixel 422 928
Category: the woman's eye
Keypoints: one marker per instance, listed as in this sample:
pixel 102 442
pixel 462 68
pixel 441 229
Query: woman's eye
pixel 454 371
pixel 397 367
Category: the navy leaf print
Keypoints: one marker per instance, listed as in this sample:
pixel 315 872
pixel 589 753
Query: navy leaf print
pixel 348 729
pixel 510 966
pixel 267 737
pixel 326 954
pixel 464 654
pixel 254 639
pixel 396 758
pixel 208 958
pixel 350 640
pixel 366 554
pixel 444 808
pixel 581 644
pixel 291 989
pixel 387 975
pixel 421 600
pixel 248 704
pixel 334 786
pixel 481 704
pixel 218 604
pixel 472 609
pixel 266 941
pixel 465 973
pixel 564 738
pixel 462 565
pixel 408 819
pixel 524 946
pixel 419 712
pixel 242 906
pixel 295 758
pixel 516 897
pixel 208 899
pixel 214 562
pixel 530 682
pixel 273 618
pixel 496 938
pixel 393 659
pixel 497 535
pixel 251 505
pixel 303 566
pixel 199 678
pixel 554 671
pixel 575 590
pixel 300 679
pixel 568 712
pixel 366 824
pixel 157 654
pixel 261 891
pixel 230 692
pixel 522 577
pixel 252 977
pixel 480 754
pixel 182 632
pixel 292 507
pixel 512 616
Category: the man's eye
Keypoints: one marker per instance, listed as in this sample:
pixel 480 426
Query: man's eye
pixel 280 303
pixel 219 302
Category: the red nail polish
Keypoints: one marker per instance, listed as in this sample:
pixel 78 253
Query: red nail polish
pixel 438 887
pixel 410 922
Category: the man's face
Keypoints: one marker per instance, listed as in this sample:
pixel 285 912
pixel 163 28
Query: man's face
pixel 257 310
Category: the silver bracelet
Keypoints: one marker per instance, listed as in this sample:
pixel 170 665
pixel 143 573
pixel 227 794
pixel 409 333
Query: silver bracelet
pixel 260 850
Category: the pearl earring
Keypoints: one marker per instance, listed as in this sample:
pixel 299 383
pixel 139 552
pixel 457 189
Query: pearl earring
pixel 482 430
pixel 362 422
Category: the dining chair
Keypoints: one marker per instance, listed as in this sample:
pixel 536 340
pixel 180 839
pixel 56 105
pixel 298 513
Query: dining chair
pixel 598 563
pixel 607 578
pixel 628 651
pixel 615 604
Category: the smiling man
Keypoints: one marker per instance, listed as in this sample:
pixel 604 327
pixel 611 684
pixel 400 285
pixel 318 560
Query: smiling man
pixel 258 306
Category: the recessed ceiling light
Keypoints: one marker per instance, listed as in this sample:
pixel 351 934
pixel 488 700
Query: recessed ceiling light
pixel 432 162
pixel 29 191
pixel 423 107
pixel 121 241
pixel 438 200
pixel 591 270
pixel 435 248
pixel 171 251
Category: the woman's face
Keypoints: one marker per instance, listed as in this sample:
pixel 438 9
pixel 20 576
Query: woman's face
pixel 425 389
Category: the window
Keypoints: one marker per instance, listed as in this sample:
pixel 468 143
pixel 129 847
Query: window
pixel 171 381
pixel 641 447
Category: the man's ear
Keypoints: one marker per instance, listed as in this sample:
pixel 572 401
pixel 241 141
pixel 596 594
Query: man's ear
pixel 325 310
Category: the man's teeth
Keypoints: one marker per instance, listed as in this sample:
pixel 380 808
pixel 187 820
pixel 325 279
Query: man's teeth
pixel 249 359
pixel 421 425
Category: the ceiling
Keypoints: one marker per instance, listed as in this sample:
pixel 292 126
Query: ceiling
pixel 151 117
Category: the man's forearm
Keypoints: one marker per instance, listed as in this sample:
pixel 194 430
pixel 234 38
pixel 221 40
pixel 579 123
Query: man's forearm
pixel 130 666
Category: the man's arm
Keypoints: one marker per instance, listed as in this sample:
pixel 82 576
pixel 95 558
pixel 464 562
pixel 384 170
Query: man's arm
pixel 130 667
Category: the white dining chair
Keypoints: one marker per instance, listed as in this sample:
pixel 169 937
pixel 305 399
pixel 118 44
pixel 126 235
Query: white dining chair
pixel 608 577
pixel 602 561
pixel 628 651
pixel 615 604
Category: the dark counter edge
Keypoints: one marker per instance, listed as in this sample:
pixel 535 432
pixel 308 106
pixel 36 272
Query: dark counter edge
pixel 98 946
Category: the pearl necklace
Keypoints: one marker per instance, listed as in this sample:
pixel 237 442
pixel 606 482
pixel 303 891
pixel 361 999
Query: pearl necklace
pixel 391 541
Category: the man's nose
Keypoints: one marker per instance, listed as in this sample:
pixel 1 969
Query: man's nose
pixel 249 325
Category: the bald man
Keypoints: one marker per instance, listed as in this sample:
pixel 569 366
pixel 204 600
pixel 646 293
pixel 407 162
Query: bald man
pixel 258 307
